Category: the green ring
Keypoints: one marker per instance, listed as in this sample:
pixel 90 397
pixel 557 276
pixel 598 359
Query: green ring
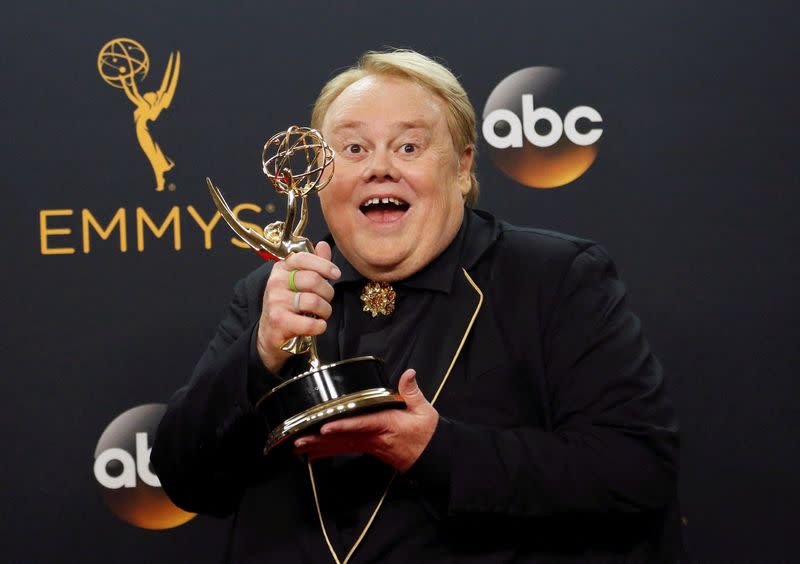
pixel 292 287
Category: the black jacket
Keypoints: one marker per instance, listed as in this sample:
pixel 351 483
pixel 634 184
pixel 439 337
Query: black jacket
pixel 556 440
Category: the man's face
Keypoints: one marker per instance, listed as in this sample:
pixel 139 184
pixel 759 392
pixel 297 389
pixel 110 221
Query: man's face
pixel 396 198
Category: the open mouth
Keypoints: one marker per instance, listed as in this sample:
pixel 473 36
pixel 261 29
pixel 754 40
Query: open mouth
pixel 384 209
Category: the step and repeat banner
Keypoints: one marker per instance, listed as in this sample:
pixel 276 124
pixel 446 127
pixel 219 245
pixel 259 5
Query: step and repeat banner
pixel 665 132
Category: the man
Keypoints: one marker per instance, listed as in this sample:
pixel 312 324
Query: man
pixel 536 427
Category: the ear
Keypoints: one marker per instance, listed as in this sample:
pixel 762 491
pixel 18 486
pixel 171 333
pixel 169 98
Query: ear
pixel 465 170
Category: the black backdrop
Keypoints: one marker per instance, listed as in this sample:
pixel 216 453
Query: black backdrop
pixel 694 192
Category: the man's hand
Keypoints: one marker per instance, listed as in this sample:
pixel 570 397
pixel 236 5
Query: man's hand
pixel 283 311
pixel 394 436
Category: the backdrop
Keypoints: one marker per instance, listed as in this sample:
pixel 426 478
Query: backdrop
pixel 111 287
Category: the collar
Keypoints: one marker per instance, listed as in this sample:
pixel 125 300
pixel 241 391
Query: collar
pixel 477 233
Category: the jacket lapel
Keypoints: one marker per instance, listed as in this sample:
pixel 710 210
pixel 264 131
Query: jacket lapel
pixel 449 322
pixel 443 334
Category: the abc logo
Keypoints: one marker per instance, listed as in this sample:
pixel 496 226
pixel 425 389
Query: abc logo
pixel 537 132
pixel 122 469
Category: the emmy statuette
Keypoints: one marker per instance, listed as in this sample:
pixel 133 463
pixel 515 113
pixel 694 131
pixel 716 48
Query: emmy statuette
pixel 298 161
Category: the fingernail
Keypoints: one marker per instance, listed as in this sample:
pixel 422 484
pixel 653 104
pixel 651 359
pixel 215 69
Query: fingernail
pixel 335 272
pixel 299 443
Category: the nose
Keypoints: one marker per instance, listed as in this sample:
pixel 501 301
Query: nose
pixel 380 167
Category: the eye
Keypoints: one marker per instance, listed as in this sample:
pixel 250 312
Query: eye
pixel 354 148
pixel 408 148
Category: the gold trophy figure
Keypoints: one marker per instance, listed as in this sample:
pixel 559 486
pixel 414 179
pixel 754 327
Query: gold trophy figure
pixel 121 63
pixel 298 161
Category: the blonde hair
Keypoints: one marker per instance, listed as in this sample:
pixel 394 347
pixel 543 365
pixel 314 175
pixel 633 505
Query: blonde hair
pixel 433 76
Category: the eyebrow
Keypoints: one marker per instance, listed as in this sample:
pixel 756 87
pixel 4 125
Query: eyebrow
pixel 348 125
pixel 402 125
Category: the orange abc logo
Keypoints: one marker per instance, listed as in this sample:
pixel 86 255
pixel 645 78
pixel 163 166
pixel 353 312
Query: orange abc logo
pixel 122 469
pixel 529 140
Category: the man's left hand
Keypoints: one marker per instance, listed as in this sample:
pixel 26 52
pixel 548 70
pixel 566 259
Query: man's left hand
pixel 394 436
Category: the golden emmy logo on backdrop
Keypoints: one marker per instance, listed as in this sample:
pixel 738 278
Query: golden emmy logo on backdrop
pixel 121 63
pixel 298 161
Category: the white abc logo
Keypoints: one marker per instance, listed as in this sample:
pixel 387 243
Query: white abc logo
pixel 531 116
pixel 130 466
pixel 121 467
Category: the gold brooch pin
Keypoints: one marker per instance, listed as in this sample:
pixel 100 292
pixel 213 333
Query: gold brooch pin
pixel 378 297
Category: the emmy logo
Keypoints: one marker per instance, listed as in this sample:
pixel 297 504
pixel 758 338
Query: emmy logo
pixel 121 63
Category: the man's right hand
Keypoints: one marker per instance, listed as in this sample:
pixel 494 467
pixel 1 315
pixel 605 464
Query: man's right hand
pixel 280 319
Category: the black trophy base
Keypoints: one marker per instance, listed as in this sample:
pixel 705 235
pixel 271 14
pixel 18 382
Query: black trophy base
pixel 329 392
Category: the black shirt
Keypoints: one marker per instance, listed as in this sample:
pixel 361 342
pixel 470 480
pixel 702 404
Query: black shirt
pixel 351 486
pixel 391 337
